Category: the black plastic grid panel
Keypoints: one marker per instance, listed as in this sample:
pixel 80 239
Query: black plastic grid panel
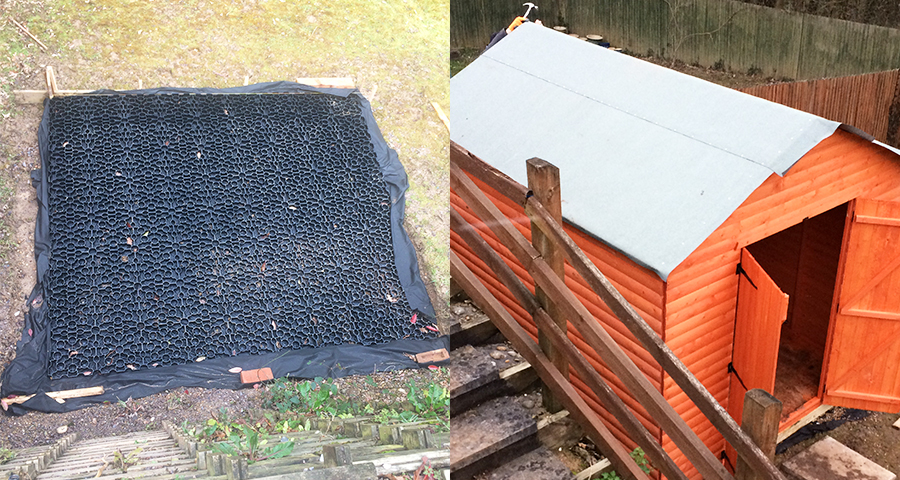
pixel 188 226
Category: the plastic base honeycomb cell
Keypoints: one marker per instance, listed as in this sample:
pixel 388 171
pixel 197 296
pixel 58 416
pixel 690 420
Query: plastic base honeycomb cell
pixel 186 227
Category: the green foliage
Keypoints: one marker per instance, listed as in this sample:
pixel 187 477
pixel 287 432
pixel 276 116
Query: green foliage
pixel 311 397
pixel 431 400
pixel 6 455
pixel 245 442
pixel 639 457
pixel 641 460
pixel 123 461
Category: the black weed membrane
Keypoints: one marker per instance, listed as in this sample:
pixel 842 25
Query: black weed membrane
pixel 183 233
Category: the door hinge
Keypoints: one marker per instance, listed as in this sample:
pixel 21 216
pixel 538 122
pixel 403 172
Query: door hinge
pixel 740 271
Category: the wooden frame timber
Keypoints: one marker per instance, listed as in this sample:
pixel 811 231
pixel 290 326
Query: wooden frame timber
pixel 38 96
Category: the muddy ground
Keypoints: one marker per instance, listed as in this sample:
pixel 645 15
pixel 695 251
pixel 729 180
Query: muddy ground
pixel 395 51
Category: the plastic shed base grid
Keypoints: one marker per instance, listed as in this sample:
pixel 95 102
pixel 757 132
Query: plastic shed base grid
pixel 189 226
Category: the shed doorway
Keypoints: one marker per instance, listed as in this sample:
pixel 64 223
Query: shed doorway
pixel 803 262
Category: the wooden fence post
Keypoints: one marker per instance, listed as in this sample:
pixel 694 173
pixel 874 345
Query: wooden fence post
pixel 762 413
pixel 543 181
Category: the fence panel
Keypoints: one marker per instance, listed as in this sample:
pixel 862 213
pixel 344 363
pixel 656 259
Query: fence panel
pixel 741 35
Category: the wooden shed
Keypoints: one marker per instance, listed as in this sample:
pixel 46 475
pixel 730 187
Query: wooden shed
pixel 761 243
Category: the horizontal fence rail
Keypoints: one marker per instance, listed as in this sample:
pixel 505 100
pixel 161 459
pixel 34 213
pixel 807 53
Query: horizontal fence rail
pixel 596 337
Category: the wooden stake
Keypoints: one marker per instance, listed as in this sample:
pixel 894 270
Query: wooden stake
pixel 328 82
pixel 761 416
pixel 59 396
pixel 440 114
pixel 26 32
pixel 543 181
pixel 51 81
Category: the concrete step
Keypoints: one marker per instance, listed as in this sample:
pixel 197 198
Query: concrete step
pixel 489 435
pixel 92 460
pixel 140 469
pixel 468 326
pixel 829 459
pixel 480 373
pixel 28 462
pixel 364 471
pixel 538 464
pixel 133 436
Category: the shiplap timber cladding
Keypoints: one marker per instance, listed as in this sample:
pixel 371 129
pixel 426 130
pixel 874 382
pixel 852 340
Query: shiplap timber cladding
pixel 744 36
pixel 701 293
pixel 694 310
pixel 640 286
pixel 863 101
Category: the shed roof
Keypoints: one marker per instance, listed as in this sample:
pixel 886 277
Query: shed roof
pixel 652 161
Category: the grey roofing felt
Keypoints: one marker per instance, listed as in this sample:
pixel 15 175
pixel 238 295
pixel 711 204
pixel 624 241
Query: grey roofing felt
pixel 652 161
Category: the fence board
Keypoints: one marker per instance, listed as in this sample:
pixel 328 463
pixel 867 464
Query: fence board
pixel 863 101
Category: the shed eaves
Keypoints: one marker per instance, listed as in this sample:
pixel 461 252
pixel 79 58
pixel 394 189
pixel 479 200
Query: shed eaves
pixel 651 161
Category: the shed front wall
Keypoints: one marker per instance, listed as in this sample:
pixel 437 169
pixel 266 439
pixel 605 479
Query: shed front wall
pixel 701 293
pixel 641 287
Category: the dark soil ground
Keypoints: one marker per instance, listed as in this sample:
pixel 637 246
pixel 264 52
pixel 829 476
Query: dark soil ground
pixel 194 405
pixel 396 52
pixel 872 437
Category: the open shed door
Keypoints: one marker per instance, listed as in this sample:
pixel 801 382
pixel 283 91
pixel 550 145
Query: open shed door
pixel 761 309
pixel 863 362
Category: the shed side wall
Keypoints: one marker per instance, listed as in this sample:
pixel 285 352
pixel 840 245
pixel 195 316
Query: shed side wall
pixel 702 291
pixel 641 287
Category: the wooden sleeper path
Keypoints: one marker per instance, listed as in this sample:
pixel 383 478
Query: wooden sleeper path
pixel 492 432
pixel 168 454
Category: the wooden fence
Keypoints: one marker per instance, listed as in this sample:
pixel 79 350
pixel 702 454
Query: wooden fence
pixel 554 306
pixel 868 102
pixel 774 42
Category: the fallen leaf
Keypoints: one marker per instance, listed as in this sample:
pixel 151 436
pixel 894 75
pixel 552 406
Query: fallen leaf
pixel 146 233
pixel 129 241
pixel 30 333
pixel 263 267
pixel 413 319
pixel 124 258
pixel 65 144
pixel 274 327
pixel 198 155
pixel 434 367
pixel 200 359
pixel 226 111
pixel 235 370
pixel 131 367
pixel 73 353
pixel 87 373
pixel 432 328
pixel 291 207
pixel 154 364
pixel 256 386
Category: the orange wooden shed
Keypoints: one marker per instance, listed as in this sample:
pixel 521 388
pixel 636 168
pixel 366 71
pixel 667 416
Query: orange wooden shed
pixel 791 284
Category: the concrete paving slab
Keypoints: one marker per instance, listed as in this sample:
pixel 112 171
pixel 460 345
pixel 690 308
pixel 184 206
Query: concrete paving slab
pixel 538 464
pixel 829 459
